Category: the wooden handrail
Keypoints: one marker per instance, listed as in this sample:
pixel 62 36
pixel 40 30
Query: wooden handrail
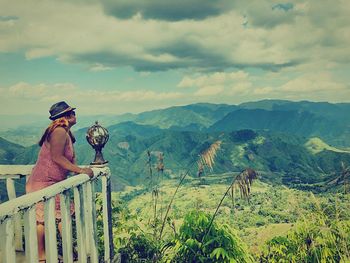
pixel 26 201
pixel 85 212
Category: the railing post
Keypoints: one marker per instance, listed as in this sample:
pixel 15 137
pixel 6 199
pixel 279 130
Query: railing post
pixel 66 227
pixel 87 218
pixel 8 245
pixel 30 235
pixel 80 223
pixel 50 231
pixel 91 246
pixel 11 192
pixel 107 218
pixel 92 219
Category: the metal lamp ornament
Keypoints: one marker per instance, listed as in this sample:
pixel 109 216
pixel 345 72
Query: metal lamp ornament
pixel 97 137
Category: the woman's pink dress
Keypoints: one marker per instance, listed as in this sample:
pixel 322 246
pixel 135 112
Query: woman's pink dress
pixel 45 173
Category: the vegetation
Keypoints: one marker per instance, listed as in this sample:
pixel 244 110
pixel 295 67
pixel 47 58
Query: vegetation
pixel 281 217
pixel 201 240
pixel 180 182
pixel 206 234
pixel 316 238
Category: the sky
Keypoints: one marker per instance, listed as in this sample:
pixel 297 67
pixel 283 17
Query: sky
pixel 113 57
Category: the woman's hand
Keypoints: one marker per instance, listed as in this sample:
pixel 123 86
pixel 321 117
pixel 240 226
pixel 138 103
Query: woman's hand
pixel 87 171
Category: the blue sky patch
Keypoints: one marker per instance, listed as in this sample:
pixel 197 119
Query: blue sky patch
pixel 285 7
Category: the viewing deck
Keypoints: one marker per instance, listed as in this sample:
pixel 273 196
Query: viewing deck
pixel 18 232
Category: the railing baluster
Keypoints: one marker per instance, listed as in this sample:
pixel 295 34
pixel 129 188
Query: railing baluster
pixel 79 222
pixel 92 222
pixel 50 231
pixel 66 227
pixel 87 218
pixel 107 218
pixel 8 245
pixel 11 192
pixel 30 234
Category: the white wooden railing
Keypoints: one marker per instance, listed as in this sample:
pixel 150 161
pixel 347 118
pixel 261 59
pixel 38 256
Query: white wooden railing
pixel 85 217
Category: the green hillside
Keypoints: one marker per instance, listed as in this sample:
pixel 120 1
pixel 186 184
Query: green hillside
pixel 9 151
pixel 281 158
pixel 328 121
pixel 301 123
pixel 316 145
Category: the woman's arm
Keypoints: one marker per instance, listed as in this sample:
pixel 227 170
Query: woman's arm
pixel 58 140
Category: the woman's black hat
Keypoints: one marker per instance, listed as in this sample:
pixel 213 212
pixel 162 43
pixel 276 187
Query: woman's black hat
pixel 59 109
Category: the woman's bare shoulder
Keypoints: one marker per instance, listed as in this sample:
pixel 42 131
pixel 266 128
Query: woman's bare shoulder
pixel 59 132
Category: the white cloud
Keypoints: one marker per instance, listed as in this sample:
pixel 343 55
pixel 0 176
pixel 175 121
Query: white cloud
pixel 209 90
pixel 229 83
pixel 217 78
pixel 41 95
pixel 298 50
pixel 263 91
pixel 313 82
pixel 23 90
pixel 81 32
pixel 243 87
pixel 100 67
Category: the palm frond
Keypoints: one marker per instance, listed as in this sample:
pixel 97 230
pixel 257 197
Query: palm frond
pixel 244 181
pixel 160 164
pixel 207 158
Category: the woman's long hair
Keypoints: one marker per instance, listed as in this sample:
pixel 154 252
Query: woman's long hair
pixel 60 122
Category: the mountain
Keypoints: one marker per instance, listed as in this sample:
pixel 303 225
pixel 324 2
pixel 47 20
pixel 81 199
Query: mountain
pixel 322 119
pixel 9 151
pixel 333 111
pixel 201 114
pixel 292 143
pixel 301 123
pixel 29 130
pixel 193 117
pixel 281 158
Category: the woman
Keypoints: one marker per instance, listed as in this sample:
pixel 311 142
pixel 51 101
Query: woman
pixel 56 159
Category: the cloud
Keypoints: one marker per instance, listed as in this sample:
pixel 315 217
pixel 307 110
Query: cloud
pixel 99 67
pixel 217 78
pixel 202 36
pixel 49 92
pixel 23 90
pixel 166 9
pixel 223 83
pixel 243 87
pixel 41 96
pixel 314 82
pixel 269 14
pixel 263 91
pixel 209 90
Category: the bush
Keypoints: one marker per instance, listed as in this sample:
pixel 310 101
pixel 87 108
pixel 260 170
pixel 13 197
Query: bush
pixel 140 248
pixel 221 244
pixel 315 239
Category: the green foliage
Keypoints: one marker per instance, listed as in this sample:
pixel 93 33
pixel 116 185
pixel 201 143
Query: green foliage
pixel 317 238
pixel 221 244
pixel 140 247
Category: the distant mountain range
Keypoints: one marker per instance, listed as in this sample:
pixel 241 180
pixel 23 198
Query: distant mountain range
pixel 293 143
